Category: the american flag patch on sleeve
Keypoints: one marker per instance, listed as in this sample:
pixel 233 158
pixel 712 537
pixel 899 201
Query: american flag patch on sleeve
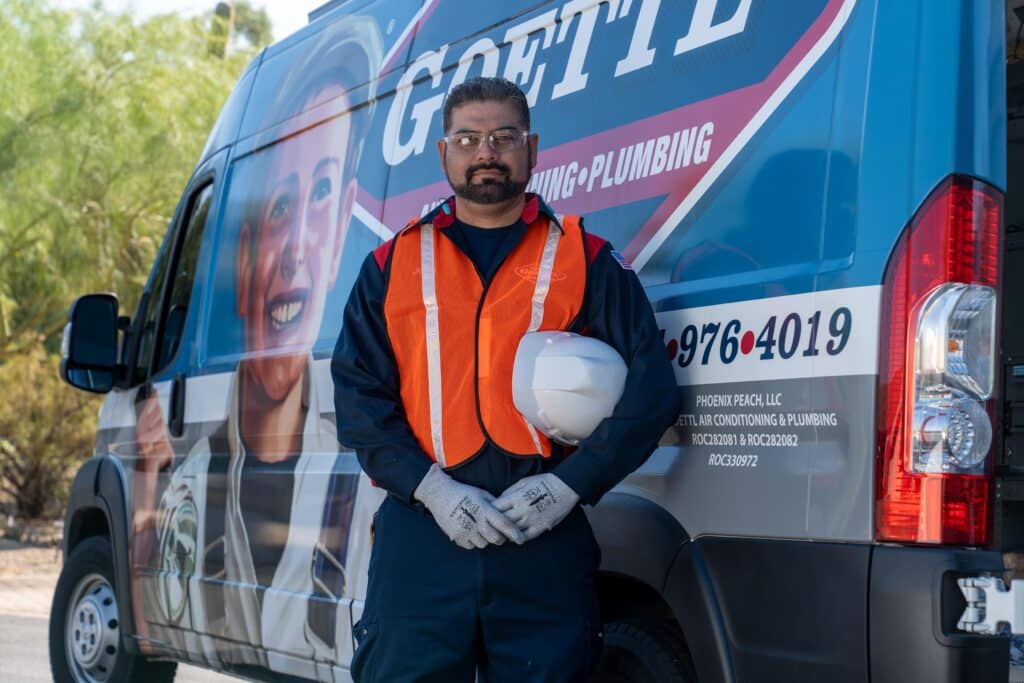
pixel 621 260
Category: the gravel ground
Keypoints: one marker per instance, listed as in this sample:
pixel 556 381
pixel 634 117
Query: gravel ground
pixel 21 558
pixel 24 656
pixel 28 575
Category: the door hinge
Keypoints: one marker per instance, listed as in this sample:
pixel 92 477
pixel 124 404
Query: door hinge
pixel 992 608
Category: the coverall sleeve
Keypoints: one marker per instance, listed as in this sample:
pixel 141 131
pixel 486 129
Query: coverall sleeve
pixel 616 311
pixel 367 402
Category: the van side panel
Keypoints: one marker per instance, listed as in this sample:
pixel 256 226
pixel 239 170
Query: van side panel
pixel 936 105
pixel 776 439
pixel 877 167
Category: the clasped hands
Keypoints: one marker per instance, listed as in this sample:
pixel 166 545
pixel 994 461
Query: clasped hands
pixel 473 518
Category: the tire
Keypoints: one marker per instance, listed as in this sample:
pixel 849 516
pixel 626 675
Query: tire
pixel 94 652
pixel 643 651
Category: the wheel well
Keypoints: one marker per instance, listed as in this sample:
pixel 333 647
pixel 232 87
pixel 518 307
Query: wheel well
pixel 86 523
pixel 624 597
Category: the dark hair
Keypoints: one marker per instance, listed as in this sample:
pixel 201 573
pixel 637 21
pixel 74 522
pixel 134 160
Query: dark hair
pixel 484 88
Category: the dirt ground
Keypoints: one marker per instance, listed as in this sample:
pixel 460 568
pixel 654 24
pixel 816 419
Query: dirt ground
pixel 30 547
pixel 17 558
pixel 28 574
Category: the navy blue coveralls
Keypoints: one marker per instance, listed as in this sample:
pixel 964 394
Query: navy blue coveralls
pixel 437 612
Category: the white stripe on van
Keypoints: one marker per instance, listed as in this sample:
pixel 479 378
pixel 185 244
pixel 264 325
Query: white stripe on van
pixel 119 407
pixel 206 398
pixel 370 221
pixel 400 44
pixel 744 136
pixel 830 333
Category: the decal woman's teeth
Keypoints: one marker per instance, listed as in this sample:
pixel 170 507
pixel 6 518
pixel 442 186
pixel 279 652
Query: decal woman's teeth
pixel 283 314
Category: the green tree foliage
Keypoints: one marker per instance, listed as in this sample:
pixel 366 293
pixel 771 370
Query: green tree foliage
pixel 221 25
pixel 239 25
pixel 252 24
pixel 102 118
pixel 42 438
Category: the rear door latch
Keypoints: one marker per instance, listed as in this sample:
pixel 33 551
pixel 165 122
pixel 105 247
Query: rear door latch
pixel 992 608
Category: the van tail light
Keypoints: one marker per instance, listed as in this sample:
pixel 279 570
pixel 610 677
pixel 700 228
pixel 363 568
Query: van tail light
pixel 936 382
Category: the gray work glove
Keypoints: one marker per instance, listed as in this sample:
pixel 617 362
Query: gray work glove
pixel 464 513
pixel 538 503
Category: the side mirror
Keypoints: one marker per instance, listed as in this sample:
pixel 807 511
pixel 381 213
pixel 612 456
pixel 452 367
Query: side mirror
pixel 89 347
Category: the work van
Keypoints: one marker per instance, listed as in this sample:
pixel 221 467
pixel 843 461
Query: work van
pixel 820 199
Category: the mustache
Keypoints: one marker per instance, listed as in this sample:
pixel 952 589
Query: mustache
pixel 491 166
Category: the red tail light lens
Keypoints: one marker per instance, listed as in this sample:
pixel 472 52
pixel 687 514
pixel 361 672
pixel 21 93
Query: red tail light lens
pixel 936 399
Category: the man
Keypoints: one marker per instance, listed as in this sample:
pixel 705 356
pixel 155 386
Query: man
pixel 260 510
pixel 482 559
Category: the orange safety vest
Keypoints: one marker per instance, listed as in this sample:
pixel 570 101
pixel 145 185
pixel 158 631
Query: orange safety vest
pixel 455 340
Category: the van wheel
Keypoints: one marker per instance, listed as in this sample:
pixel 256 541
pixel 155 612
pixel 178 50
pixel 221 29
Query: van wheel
pixel 86 643
pixel 643 651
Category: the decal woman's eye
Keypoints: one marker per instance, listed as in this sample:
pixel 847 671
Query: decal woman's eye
pixel 280 208
pixel 322 189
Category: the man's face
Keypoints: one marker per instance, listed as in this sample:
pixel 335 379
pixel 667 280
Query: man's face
pixel 481 174
pixel 289 261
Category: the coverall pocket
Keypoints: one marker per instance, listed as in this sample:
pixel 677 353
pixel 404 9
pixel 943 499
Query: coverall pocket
pixel 365 634
pixel 376 531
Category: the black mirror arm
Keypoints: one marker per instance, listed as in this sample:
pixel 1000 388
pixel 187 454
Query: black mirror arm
pixel 122 376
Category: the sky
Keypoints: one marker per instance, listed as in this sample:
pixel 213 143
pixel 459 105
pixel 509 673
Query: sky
pixel 285 15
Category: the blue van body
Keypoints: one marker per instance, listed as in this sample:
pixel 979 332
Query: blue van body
pixel 756 162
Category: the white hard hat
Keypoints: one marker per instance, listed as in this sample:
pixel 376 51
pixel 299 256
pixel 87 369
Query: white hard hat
pixel 564 384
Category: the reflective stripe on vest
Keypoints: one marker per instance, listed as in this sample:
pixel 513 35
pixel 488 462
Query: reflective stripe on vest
pixel 455 343
pixel 433 342
pixel 540 294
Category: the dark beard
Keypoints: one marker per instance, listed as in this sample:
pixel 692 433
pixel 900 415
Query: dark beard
pixel 491 190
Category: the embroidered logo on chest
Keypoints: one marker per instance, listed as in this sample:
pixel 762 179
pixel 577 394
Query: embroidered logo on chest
pixel 529 273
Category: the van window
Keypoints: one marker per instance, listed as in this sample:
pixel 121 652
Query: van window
pixel 184 276
pixel 146 317
pixel 164 348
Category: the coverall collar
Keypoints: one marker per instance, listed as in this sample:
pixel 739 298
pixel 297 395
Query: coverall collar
pixel 444 215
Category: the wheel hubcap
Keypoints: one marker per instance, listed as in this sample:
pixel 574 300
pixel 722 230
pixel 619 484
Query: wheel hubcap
pixel 92 632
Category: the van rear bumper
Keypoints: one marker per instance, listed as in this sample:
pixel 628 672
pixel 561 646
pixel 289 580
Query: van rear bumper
pixel 798 611
pixel 913 611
